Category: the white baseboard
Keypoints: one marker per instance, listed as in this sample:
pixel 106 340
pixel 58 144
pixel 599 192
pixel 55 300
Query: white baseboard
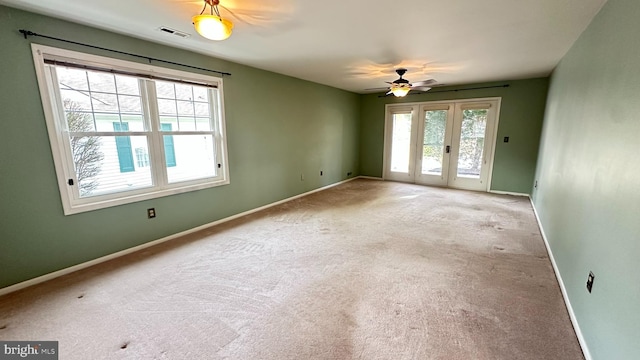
pixel 572 315
pixel 84 265
pixel 508 193
pixel 370 177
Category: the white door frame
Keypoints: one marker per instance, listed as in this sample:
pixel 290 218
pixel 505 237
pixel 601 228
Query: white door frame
pixel 418 109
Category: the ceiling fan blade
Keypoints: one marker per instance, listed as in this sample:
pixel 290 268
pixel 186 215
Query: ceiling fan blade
pixel 421 88
pixel 425 82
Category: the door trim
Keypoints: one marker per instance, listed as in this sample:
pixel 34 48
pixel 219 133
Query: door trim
pixel 416 108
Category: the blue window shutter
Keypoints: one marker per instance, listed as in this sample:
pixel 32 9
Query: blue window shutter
pixel 169 149
pixel 123 145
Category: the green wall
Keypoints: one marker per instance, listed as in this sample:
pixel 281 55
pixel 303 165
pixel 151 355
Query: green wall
pixel 588 174
pixel 521 117
pixel 278 127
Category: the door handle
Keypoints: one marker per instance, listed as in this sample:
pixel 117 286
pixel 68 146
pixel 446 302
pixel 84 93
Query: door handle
pixel 447 149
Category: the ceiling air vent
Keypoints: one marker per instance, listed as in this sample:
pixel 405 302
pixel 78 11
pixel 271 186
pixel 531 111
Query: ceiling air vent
pixel 173 32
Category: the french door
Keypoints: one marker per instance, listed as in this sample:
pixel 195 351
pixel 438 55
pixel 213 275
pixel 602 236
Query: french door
pixel 442 143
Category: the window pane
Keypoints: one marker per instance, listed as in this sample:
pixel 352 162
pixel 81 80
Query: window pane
pixel 101 82
pixel 472 134
pixel 200 94
pixel 76 100
pixel 194 157
pixel 78 121
pixel 127 85
pixel 167 107
pixel 105 164
pixel 187 123
pixel 190 103
pixel 184 92
pixel 432 149
pixel 93 104
pixel 185 108
pixel 171 121
pixel 104 102
pixel 130 104
pixel 401 143
pixel 72 79
pixel 165 90
pixel 203 124
pixel 104 121
pixel 202 109
pixel 136 122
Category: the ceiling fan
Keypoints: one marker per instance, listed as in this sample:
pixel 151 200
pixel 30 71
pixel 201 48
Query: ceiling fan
pixel 401 86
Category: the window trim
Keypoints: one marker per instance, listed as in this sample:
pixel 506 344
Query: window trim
pixel 59 140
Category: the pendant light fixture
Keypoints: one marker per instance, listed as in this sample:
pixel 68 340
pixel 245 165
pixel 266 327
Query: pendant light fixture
pixel 400 90
pixel 212 26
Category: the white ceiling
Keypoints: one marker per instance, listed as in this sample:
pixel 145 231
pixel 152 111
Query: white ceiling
pixel 356 44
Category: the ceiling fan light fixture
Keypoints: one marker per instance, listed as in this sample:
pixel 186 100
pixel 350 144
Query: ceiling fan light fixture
pixel 213 27
pixel 400 90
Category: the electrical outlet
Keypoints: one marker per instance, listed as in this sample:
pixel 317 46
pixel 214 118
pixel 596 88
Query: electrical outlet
pixel 535 185
pixel 590 281
pixel 302 177
pixel 349 173
pixel 320 172
pixel 151 213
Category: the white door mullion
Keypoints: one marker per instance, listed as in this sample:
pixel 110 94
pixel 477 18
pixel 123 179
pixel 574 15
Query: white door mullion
pixel 456 128
pixel 419 145
pixel 415 116
pixel 448 144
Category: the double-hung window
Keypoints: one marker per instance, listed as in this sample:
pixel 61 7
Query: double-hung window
pixel 122 132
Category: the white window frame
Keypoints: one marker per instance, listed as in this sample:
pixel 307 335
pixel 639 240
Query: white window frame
pixel 59 139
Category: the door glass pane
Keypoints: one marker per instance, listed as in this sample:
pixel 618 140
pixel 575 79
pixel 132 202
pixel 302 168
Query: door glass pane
pixel 435 123
pixel 472 133
pixel 401 143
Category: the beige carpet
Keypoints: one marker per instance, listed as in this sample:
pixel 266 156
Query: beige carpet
pixel 365 270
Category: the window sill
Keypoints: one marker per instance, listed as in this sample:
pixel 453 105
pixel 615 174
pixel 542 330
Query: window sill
pixel 94 203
